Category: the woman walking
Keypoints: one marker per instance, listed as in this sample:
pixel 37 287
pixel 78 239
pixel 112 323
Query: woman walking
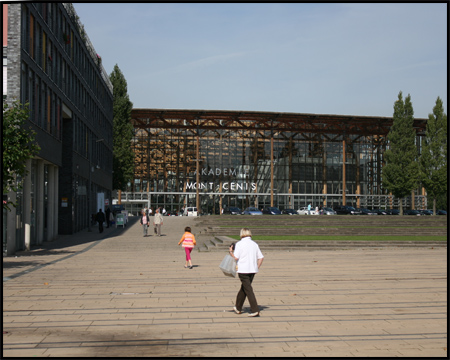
pixel 157 222
pixel 144 222
pixel 249 259
pixel 188 240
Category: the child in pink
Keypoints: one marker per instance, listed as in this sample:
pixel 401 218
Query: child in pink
pixel 189 242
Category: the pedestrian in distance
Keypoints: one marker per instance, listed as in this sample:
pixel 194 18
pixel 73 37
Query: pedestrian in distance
pixel 249 258
pixel 157 222
pixel 188 241
pixel 100 219
pixel 144 222
pixel 107 213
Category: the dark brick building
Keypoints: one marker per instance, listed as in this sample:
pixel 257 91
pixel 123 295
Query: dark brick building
pixel 50 63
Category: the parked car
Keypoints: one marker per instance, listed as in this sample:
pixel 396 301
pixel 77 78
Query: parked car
pixel 441 212
pixel 271 211
pixel 392 212
pixel 413 212
pixel 346 210
pixel 367 211
pixel 172 213
pixel 304 211
pixel 232 211
pixel 426 212
pixel 380 211
pixel 191 211
pixel 328 211
pixel 252 211
pixel 289 212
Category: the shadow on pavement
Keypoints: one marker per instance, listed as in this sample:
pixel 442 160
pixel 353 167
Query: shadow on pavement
pixel 57 246
pixel 20 264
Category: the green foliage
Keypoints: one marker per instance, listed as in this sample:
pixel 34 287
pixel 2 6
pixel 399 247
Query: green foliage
pixel 433 160
pixel 123 155
pixel 18 146
pixel 441 202
pixel 401 171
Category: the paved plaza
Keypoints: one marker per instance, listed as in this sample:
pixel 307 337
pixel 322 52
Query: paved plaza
pixel 119 294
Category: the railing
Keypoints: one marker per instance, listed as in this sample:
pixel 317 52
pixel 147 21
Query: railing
pixel 369 201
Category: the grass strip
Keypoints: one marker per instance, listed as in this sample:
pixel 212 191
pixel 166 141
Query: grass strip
pixel 334 227
pixel 343 238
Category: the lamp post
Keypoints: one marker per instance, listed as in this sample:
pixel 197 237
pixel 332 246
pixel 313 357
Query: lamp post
pixel 91 170
pixel 198 179
pixel 271 168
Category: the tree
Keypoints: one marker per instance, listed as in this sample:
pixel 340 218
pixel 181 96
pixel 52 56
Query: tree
pixel 401 171
pixel 433 160
pixel 18 146
pixel 123 155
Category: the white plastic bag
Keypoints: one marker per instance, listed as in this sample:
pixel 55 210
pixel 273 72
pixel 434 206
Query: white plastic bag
pixel 228 266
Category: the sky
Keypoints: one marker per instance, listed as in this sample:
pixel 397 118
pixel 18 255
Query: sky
pixel 316 58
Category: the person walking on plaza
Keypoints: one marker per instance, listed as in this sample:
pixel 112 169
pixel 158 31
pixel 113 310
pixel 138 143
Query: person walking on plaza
pixel 188 241
pixel 108 219
pixel 249 258
pixel 144 222
pixel 157 222
pixel 100 219
pixel 309 209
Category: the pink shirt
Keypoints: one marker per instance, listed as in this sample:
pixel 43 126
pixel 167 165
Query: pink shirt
pixel 188 240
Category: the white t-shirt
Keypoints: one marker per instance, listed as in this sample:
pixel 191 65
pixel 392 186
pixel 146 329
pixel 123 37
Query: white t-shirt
pixel 248 253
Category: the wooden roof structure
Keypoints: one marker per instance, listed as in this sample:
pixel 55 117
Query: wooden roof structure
pixel 195 120
pixel 166 140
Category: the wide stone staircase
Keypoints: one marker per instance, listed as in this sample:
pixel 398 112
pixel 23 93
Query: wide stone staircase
pixel 214 231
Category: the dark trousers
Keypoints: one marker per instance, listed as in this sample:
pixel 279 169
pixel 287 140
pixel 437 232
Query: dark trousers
pixel 100 226
pixel 246 291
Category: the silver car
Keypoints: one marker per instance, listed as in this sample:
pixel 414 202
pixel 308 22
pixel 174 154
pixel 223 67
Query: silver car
pixel 328 211
pixel 252 211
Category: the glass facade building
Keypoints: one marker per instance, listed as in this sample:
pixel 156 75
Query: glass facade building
pixel 216 159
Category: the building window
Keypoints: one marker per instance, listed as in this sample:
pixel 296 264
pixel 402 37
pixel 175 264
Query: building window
pixel 44 51
pixel 38 44
pixel 32 44
pixel 37 103
pixel 49 108
pixel 31 96
pixel 24 33
pixel 24 87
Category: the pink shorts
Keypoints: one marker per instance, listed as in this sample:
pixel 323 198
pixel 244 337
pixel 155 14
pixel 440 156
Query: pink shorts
pixel 188 253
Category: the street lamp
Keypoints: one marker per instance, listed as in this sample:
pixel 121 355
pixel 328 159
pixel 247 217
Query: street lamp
pixel 91 170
